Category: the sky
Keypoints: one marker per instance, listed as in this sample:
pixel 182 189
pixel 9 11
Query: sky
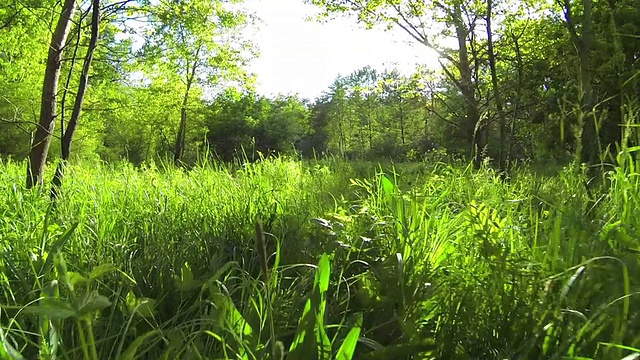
pixel 299 56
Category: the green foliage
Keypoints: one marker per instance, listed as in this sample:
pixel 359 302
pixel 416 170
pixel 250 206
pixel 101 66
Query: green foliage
pixel 249 125
pixel 23 45
pixel 537 68
pixel 162 71
pixel 134 104
pixel 371 115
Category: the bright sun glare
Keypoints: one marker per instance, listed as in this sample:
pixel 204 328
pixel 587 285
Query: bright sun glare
pixel 304 57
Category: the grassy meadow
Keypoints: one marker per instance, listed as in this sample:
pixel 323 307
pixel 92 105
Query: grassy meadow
pixel 319 260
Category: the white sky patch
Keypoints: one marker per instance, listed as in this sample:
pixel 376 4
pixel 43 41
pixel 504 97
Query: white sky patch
pixel 304 57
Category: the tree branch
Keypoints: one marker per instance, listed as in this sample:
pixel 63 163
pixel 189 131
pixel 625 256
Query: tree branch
pixel 8 22
pixel 568 16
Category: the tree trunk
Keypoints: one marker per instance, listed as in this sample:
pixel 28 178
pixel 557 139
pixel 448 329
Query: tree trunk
pixel 67 87
pixel 42 139
pixel 496 92
pixel 370 131
pixel 182 130
pixel 619 70
pixel 520 85
pixel 402 122
pixel 467 88
pixel 342 140
pixel 77 105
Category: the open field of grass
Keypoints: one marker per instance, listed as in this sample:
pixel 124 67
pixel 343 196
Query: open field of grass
pixel 425 261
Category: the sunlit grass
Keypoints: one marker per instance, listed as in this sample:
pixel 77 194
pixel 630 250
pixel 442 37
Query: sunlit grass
pixel 428 260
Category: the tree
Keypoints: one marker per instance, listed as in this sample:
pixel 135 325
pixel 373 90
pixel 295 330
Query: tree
pixel 413 17
pixel 199 41
pixel 42 138
pixel 366 102
pixel 496 91
pixel 340 113
pixel 68 133
pixel 316 142
pixel 583 43
pixel 256 125
pixel 23 49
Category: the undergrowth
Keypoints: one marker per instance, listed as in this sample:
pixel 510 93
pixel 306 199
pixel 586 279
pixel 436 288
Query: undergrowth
pixel 329 259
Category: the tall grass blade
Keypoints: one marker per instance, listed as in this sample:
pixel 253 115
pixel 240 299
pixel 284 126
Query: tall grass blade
pixel 348 347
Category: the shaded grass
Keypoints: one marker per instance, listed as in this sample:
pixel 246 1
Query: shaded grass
pixel 440 261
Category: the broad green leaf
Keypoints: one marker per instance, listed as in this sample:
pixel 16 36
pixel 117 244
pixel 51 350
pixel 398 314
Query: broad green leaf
pixel 76 279
pixel 229 315
pixel 91 302
pixel 186 282
pixel 303 343
pixel 101 270
pixel 387 186
pixel 229 318
pixel 53 309
pixel 348 347
pixel 144 307
pixel 60 265
pixel 323 274
pixel 311 336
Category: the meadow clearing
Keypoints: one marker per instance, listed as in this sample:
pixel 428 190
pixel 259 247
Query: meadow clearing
pixel 364 261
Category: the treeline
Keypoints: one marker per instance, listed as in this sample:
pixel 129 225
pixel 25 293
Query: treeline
pixel 365 115
pixel 519 80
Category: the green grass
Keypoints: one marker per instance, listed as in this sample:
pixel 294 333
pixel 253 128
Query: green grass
pixel 426 261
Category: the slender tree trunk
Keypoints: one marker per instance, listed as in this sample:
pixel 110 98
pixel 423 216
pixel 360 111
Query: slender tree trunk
pixel 342 136
pixel 481 128
pixel 496 91
pixel 370 131
pixel 67 87
pixel 402 122
pixel 182 130
pixel 42 138
pixel 426 115
pixel 77 105
pixel 517 99
pixel 361 130
pixel 620 70
pixel 467 88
